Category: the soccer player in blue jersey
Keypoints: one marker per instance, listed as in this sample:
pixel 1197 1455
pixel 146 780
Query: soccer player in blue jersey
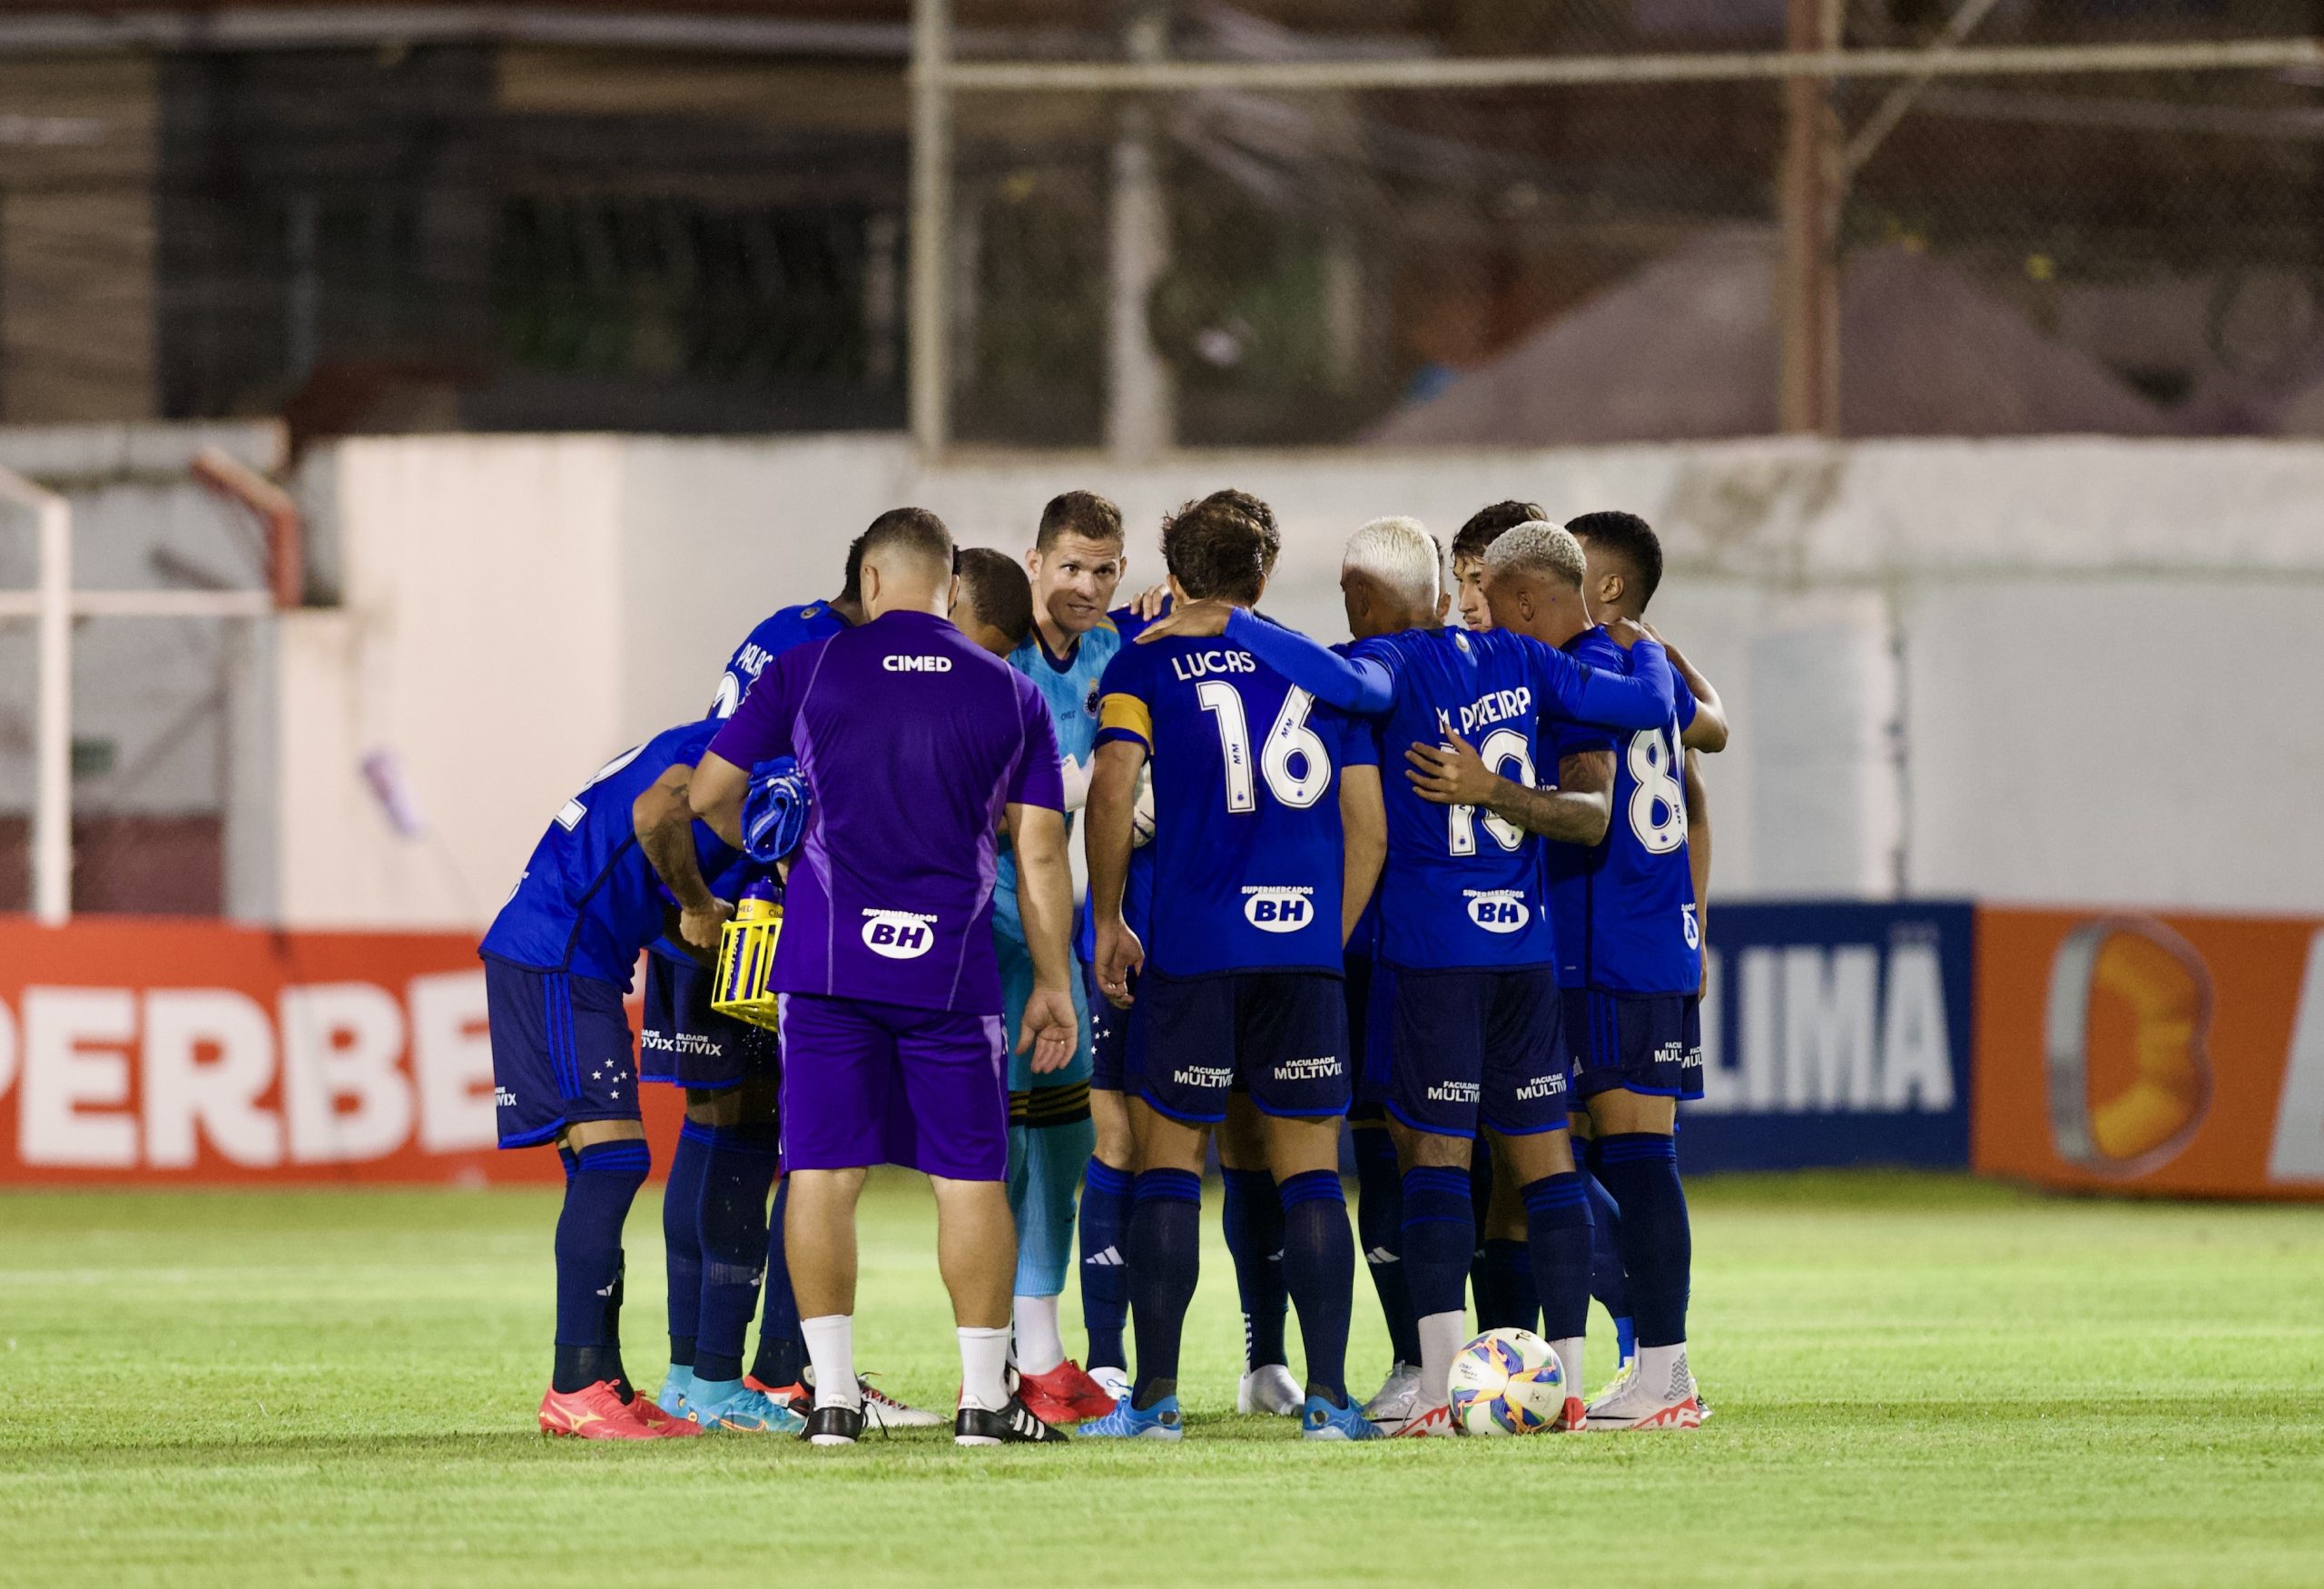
pixel 1621 893
pixel 1076 562
pixel 1269 832
pixel 557 962
pixel 919 748
pixel 1474 1006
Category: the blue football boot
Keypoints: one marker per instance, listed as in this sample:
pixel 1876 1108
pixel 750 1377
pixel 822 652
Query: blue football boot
pixel 750 1412
pixel 1322 1421
pixel 1160 1422
pixel 677 1389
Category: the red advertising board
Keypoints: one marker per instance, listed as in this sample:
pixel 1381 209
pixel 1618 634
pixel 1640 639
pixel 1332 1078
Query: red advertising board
pixel 154 1050
pixel 2174 1055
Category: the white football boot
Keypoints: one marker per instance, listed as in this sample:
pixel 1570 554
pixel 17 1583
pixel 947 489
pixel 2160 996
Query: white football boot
pixel 1658 1393
pixel 1399 1395
pixel 1114 1382
pixel 1269 1388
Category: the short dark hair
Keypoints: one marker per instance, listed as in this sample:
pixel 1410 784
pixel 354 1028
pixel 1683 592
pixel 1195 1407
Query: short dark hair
pixel 852 589
pixel 1488 525
pixel 998 591
pixel 1631 540
pixel 914 529
pixel 1082 513
pixel 1259 512
pixel 1218 550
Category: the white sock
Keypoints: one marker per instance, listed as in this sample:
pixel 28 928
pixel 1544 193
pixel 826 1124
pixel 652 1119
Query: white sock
pixel 984 1366
pixel 1663 1371
pixel 831 1347
pixel 1441 1337
pixel 1569 1351
pixel 1039 1345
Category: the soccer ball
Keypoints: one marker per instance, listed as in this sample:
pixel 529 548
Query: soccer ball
pixel 1507 1382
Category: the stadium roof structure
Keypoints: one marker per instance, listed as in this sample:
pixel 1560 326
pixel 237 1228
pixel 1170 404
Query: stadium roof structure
pixel 1685 348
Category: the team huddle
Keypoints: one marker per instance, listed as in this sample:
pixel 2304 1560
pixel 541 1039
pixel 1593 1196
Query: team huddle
pixel 1445 883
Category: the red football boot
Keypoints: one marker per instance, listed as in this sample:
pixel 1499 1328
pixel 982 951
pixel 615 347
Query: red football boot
pixel 596 1413
pixel 1064 1395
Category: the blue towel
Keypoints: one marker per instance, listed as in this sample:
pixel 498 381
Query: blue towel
pixel 775 810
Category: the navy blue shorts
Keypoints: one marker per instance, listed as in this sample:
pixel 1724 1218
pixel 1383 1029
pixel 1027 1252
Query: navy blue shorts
pixel 1478 1047
pixel 1280 1035
pixel 1108 1038
pixel 561 1052
pixel 686 1042
pixel 1650 1043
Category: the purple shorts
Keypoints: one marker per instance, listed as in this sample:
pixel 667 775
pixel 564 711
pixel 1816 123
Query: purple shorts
pixel 866 1083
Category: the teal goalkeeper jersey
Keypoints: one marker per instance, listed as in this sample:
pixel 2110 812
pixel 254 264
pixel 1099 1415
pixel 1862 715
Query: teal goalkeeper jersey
pixel 1070 685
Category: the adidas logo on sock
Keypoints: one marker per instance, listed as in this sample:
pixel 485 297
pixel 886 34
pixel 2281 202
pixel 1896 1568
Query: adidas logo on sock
pixel 1111 1259
pixel 1381 1255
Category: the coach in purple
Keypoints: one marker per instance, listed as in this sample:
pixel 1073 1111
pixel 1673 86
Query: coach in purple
pixel 918 746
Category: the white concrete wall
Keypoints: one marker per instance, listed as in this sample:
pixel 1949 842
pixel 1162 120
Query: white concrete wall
pixel 1954 666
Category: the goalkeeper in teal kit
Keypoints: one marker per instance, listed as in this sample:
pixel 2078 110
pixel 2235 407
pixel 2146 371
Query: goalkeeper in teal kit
pixel 1076 563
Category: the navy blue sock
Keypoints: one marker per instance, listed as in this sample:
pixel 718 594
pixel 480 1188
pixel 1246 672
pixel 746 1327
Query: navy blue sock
pixel 1557 1219
pixel 1105 1273
pixel 733 1246
pixel 681 1239
pixel 1503 1279
pixel 1165 1259
pixel 1609 1281
pixel 1440 1240
pixel 1252 1218
pixel 1641 1170
pixel 782 1355
pixel 600 1183
pixel 1380 1224
pixel 1319 1271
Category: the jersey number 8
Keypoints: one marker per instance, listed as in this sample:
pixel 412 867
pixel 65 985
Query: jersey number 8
pixel 1288 741
pixel 1658 807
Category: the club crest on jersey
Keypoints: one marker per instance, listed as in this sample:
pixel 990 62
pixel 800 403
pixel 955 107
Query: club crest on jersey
pixel 898 934
pixel 902 663
pixel 1278 910
pixel 1499 910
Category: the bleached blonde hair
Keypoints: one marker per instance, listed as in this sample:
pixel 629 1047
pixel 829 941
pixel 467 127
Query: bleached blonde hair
pixel 1539 546
pixel 1402 554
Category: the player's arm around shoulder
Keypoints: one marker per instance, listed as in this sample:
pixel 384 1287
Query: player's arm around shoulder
pixel 1702 716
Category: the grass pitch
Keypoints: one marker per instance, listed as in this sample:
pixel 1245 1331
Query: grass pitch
pixel 1917 1380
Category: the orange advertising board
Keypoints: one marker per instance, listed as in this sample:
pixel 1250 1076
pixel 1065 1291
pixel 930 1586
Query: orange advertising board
pixel 154 1050
pixel 2171 1055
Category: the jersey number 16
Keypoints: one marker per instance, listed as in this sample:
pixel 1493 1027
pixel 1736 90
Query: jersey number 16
pixel 1289 741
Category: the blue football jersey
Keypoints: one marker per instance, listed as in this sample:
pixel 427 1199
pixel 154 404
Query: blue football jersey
pixel 589 900
pixel 1138 887
pixel 1070 685
pixel 1463 889
pixel 1364 943
pixel 1625 907
pixel 794 626
pixel 1246 813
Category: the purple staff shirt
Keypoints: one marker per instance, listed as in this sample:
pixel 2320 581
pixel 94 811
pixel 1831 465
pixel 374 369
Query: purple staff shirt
pixel 912 739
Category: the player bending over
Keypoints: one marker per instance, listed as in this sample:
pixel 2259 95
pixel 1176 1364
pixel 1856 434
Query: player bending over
pixel 1473 1001
pixel 916 743
pixel 557 962
pixel 1269 832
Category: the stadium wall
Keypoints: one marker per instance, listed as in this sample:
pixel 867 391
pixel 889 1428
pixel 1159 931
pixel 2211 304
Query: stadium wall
pixel 1955 667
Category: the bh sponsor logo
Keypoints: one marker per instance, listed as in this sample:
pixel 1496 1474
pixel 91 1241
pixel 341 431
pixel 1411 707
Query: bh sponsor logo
pixel 917 664
pixel 898 934
pixel 1452 1092
pixel 1500 910
pixel 1278 910
pixel 1322 1068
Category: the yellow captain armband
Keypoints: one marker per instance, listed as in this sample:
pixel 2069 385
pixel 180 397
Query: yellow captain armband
pixel 744 986
pixel 1128 713
pixel 2127 993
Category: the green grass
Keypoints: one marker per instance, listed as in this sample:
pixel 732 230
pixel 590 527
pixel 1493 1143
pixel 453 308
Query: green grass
pixel 1917 1380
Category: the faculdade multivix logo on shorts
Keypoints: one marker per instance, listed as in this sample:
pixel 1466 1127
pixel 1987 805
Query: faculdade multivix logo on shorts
pixel 1499 910
pixel 898 934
